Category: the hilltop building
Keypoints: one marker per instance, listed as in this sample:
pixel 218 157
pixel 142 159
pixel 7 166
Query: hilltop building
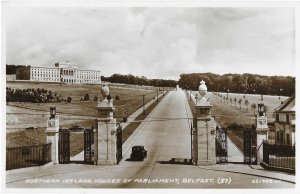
pixel 65 72
pixel 285 122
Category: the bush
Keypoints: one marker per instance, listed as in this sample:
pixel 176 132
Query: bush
pixel 30 95
pixel 86 97
pixel 117 97
pixel 69 99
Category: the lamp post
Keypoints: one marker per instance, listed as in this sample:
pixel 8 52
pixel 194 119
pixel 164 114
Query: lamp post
pixel 157 96
pixel 227 96
pixel 52 112
pixel 260 109
pixel 143 104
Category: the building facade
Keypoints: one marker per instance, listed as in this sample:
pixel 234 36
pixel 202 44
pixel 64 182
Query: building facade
pixel 65 72
pixel 44 74
pixel 285 122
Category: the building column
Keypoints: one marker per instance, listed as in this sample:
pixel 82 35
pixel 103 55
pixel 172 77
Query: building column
pixel 106 131
pixel 52 134
pixel 205 131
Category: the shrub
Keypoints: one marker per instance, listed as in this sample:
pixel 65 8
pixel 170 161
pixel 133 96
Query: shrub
pixel 86 97
pixel 69 99
pixel 117 97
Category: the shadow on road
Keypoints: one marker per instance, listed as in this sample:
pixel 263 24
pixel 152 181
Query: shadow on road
pixel 133 160
pixel 182 161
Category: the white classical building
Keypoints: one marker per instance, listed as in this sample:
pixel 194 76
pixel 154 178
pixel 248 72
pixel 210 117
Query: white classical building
pixel 65 72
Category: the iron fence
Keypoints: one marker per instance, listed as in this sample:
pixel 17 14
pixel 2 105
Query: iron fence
pixel 277 155
pixel 21 157
pixel 221 145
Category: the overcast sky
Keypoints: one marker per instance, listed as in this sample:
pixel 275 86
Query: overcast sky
pixel 154 42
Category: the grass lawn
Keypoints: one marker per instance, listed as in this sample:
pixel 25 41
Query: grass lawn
pixel 227 113
pixel 23 115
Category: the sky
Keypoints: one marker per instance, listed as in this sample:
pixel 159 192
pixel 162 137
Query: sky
pixel 154 42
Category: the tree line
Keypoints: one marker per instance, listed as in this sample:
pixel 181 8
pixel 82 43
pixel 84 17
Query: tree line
pixel 12 69
pixel 136 80
pixel 237 83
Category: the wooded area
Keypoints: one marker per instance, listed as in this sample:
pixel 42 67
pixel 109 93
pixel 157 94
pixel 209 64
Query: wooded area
pixel 136 80
pixel 237 83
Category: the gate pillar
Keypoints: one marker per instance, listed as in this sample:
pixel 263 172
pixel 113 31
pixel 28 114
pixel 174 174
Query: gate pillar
pixel 205 131
pixel 106 133
pixel 52 134
pixel 262 130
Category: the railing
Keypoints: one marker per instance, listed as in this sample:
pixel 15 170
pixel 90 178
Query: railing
pixel 21 157
pixel 276 155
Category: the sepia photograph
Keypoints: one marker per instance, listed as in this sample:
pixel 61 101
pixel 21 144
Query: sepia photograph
pixel 148 95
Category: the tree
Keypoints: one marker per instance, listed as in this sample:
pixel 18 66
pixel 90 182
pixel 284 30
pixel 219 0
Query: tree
pixel 234 102
pixel 69 99
pixel 240 103
pixel 246 103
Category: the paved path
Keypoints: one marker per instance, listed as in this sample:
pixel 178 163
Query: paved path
pixel 234 154
pixel 166 135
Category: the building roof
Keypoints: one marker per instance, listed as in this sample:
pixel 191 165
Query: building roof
pixel 287 106
pixel 67 64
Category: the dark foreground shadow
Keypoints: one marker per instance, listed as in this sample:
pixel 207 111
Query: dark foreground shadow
pixel 80 162
pixel 237 163
pixel 133 160
pixel 182 161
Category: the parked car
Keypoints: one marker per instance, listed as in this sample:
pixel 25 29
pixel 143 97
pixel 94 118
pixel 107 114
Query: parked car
pixel 138 153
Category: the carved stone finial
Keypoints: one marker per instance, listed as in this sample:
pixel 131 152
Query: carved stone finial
pixel 105 91
pixel 202 89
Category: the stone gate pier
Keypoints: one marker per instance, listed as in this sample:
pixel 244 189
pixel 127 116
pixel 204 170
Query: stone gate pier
pixel 204 148
pixel 105 135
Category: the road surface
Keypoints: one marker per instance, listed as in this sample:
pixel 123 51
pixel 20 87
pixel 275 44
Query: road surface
pixel 165 135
